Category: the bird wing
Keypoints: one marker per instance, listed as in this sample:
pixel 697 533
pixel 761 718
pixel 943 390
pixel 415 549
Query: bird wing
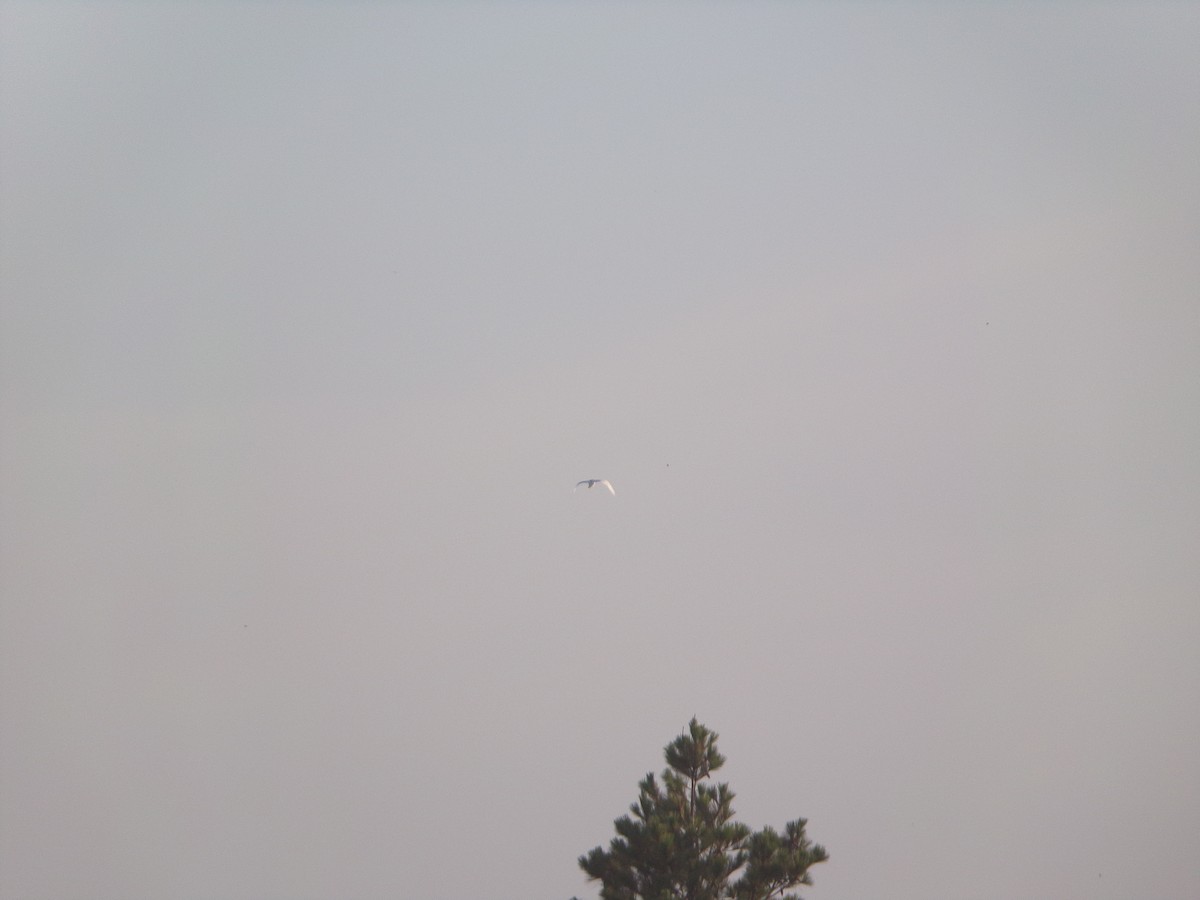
pixel 580 484
pixel 611 489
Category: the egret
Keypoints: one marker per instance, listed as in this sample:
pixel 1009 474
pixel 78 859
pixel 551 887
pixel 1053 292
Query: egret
pixel 590 482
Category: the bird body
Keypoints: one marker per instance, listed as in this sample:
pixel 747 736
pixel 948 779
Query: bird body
pixel 591 482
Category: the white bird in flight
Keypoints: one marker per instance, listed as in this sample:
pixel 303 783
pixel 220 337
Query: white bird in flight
pixel 593 481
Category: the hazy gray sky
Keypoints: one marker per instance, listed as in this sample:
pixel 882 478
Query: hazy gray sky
pixel 883 319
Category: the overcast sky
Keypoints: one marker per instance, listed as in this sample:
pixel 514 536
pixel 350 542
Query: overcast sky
pixel 883 319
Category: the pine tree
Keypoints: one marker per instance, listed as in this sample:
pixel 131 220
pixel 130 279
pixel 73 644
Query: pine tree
pixel 681 842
